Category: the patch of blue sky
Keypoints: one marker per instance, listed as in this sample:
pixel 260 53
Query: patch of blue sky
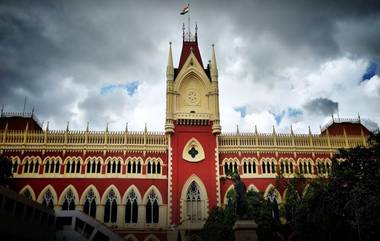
pixel 242 110
pixel 290 112
pixel 370 71
pixel 131 88
pixel 294 113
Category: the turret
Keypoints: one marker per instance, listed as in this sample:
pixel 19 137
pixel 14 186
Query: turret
pixel 216 128
pixel 169 126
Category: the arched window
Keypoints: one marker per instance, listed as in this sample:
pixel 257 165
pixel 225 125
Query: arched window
pixel 193 202
pixel 286 166
pixel 48 199
pixel 73 165
pixel 305 166
pixel 231 166
pixel 323 166
pixel 133 166
pixel 249 166
pixel 113 165
pixel 69 202
pixel 93 165
pixel 15 164
pixel 153 166
pixel 268 166
pixel 31 165
pixel 131 208
pixel 52 165
pixel 27 194
pixel 89 207
pixel 110 209
pixel 152 208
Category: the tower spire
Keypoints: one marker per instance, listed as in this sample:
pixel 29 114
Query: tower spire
pixel 214 68
pixel 170 66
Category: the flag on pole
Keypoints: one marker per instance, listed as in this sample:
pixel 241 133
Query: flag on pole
pixel 185 10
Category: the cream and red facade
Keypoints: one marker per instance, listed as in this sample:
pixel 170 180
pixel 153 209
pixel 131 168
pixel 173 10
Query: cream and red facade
pixel 181 169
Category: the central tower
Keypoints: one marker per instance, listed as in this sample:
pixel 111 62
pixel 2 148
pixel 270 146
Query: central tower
pixel 192 125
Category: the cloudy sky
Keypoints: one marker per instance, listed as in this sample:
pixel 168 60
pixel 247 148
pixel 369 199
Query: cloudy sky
pixel 280 62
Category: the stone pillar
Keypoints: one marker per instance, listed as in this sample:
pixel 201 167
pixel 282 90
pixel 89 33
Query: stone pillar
pixel 245 230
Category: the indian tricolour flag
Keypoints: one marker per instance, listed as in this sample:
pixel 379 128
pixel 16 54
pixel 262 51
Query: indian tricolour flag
pixel 185 9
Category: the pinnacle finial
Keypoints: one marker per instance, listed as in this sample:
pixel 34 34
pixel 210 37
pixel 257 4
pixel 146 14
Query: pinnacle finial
pixel 309 130
pixel 214 67
pixel 107 127
pixel 88 126
pixel 170 57
pixel 237 129
pixel 183 31
pixel 359 117
pixel 145 128
pixel 256 129
pixel 47 126
pixel 274 130
pixel 291 129
pixel 126 127
pixel 67 126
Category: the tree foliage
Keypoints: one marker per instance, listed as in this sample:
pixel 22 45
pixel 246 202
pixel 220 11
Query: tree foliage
pixel 5 170
pixel 346 205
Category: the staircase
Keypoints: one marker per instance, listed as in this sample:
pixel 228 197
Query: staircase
pixel 75 225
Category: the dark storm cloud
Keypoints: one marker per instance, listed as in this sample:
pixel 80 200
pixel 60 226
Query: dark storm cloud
pixel 371 125
pixel 54 52
pixel 321 106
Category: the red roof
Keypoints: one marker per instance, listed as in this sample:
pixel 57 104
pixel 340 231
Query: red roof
pixel 187 47
pixel 337 128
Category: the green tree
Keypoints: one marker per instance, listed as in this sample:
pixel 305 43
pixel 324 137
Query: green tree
pixel 345 206
pixel 219 224
pixel 5 170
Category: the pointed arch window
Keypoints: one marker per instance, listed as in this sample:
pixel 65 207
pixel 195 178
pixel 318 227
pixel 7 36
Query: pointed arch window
pixel 48 199
pixel 69 202
pixel 134 166
pixel 131 208
pixel 27 194
pixel 93 165
pixel 193 202
pixel 73 166
pixel 89 207
pixel 152 208
pixel 110 209
pixel 15 166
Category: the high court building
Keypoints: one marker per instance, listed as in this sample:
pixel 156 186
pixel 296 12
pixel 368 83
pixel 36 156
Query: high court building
pixel 154 186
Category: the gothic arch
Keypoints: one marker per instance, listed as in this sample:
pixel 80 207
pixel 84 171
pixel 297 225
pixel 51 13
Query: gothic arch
pixel 138 194
pixel 53 158
pixel 193 143
pixel 151 237
pixel 105 193
pixel 30 189
pixel 32 158
pixel 203 192
pixel 195 71
pixel 63 193
pixel 130 237
pixel 156 191
pixel 225 199
pixel 278 195
pixel 53 192
pixel 252 187
pixel 84 194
